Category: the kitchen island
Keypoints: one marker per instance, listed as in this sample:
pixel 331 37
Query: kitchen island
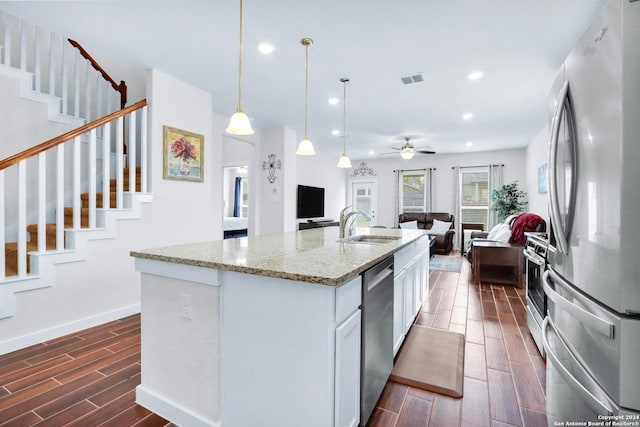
pixel 265 330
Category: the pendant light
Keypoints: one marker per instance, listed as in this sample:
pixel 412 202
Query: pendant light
pixel 239 123
pixel 305 148
pixel 344 161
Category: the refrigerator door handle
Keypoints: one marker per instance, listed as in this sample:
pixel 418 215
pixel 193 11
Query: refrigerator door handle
pixel 594 322
pixel 597 405
pixel 554 203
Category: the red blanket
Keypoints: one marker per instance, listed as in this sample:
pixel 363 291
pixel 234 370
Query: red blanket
pixel 525 222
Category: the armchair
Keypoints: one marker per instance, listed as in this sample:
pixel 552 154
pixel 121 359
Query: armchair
pixel 443 241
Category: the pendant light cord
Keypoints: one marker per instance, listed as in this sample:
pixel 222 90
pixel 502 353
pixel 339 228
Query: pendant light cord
pixel 306 86
pixel 240 63
pixel 344 117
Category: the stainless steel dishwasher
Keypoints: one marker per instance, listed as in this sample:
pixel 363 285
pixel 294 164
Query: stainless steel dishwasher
pixel 377 335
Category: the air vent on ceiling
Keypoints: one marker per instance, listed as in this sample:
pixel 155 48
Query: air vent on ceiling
pixel 414 78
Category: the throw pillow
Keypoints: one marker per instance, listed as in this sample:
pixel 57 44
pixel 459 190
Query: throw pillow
pixel 494 231
pixel 501 233
pixel 439 227
pixel 409 224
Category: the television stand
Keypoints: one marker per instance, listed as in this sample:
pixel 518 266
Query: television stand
pixel 317 224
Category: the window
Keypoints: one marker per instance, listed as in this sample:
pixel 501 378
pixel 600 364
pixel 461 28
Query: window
pixel 474 196
pixel 413 192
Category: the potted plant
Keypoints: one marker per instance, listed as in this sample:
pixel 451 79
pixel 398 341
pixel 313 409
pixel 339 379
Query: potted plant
pixel 508 200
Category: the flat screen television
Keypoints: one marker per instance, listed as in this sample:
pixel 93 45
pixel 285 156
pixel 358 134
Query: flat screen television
pixel 310 202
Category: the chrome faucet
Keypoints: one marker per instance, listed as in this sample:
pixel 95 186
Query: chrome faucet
pixel 344 218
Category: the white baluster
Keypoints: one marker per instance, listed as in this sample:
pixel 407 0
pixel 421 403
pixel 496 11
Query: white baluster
pixel 22 218
pixel 23 45
pixel 63 76
pixel 119 162
pixel 106 166
pixel 76 84
pixel 3 272
pixel 87 92
pixel 76 183
pixel 60 197
pixel 37 63
pixel 42 202
pixel 99 88
pixel 92 178
pixel 143 149
pixel 7 40
pixel 131 151
pixel 52 64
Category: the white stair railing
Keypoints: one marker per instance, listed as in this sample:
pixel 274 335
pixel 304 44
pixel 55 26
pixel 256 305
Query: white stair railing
pixel 61 68
pixel 36 184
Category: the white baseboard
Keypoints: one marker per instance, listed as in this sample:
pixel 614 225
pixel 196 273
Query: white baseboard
pixel 24 341
pixel 170 410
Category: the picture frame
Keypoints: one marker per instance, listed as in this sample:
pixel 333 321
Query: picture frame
pixel 183 155
pixel 542 179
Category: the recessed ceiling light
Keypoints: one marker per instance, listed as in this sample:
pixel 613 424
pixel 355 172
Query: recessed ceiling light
pixel 476 75
pixel 371 152
pixel 266 48
pixel 469 144
pixel 335 132
pixel 467 116
pixel 333 101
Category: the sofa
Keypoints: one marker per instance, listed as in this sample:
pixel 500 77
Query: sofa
pixel 424 220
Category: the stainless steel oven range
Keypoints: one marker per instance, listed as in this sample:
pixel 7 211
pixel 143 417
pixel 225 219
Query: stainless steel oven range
pixel 535 253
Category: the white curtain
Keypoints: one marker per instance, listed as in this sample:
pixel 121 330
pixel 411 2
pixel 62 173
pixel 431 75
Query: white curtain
pixel 495 183
pixel 396 205
pixel 456 205
pixel 428 175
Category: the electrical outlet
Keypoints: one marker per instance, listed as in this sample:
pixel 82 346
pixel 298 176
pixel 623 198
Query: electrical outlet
pixel 187 307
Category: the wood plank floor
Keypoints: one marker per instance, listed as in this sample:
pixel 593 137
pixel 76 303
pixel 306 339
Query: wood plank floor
pixel 88 379
pixel 504 374
pixel 85 379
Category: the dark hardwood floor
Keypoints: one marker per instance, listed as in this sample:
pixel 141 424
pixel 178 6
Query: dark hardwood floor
pixel 88 379
pixel 504 374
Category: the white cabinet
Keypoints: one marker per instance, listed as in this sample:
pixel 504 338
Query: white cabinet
pixel 347 385
pixel 411 284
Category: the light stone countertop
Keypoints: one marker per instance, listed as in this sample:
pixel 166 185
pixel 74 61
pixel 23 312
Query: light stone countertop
pixel 314 255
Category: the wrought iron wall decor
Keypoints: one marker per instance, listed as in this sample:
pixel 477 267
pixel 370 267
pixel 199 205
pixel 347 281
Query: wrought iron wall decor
pixel 363 170
pixel 271 164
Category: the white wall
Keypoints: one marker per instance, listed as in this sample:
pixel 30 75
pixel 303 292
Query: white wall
pixel 17 132
pixel 537 156
pixel 105 286
pixel 513 160
pixel 321 171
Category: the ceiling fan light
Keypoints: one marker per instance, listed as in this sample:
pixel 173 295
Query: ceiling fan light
pixel 344 162
pixel 407 155
pixel 305 148
pixel 239 124
pixel 407 151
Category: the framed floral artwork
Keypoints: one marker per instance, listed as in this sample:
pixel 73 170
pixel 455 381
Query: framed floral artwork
pixel 183 155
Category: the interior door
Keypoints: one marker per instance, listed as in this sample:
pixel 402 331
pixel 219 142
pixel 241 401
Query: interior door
pixel 364 198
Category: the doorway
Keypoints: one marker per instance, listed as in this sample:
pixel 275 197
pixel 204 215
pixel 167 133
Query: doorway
pixel 364 198
pixel 235 197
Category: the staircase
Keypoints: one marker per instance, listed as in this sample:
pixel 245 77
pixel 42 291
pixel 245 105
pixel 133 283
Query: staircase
pixel 11 249
pixel 58 195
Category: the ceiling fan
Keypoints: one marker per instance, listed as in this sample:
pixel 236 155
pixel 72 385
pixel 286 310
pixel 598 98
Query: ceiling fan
pixel 407 151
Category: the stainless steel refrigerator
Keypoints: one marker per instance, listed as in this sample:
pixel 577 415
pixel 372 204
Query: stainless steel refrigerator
pixel 591 333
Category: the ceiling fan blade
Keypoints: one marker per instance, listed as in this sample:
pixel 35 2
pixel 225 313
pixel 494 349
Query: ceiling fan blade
pixel 425 152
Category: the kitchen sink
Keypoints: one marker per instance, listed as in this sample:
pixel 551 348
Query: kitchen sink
pixel 369 239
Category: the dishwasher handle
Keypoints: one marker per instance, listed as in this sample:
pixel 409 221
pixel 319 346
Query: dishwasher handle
pixel 379 278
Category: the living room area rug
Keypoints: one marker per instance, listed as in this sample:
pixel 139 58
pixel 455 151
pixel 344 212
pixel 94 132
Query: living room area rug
pixel 431 359
pixel 446 263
